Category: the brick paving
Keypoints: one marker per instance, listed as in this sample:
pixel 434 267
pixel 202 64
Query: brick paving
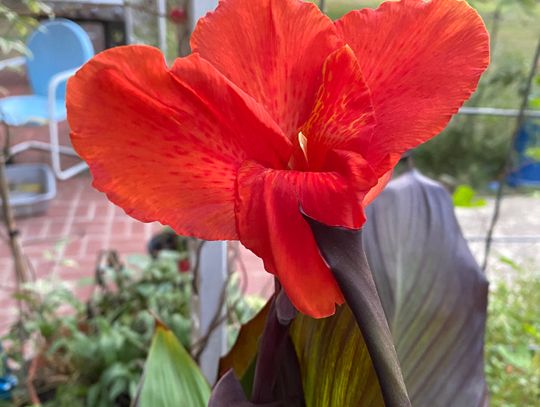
pixel 79 223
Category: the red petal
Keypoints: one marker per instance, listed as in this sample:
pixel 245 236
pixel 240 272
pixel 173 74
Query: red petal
pixel 421 60
pixel 343 116
pixel 273 49
pixel 166 145
pixel 270 224
pixel 378 188
pixel 360 177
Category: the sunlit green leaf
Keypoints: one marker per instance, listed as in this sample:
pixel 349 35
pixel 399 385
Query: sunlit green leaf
pixel 465 196
pixel 334 361
pixel 171 377
pixel 533 152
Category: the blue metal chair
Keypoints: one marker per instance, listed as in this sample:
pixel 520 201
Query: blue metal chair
pixel 57 49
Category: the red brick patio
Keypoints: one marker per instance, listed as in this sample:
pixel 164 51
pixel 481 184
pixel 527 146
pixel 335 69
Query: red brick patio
pixel 79 223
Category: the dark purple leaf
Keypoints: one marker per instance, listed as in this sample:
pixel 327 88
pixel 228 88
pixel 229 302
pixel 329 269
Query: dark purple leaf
pixel 276 378
pixel 277 373
pixel 286 312
pixel 228 392
pixel 432 290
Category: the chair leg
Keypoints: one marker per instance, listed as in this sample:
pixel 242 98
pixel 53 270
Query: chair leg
pixel 7 140
pixel 53 147
pixel 71 171
pixel 39 145
pixel 56 149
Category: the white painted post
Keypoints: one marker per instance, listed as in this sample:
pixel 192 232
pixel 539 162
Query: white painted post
pixel 212 279
pixel 162 26
pixel 213 265
pixel 128 16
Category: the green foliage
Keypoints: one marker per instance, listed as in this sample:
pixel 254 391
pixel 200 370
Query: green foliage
pixel 241 308
pixel 93 353
pixel 533 153
pixel 513 341
pixel 171 377
pixel 17 20
pixel 534 103
pixel 465 196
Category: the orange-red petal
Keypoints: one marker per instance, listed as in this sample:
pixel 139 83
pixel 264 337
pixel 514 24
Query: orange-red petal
pixel 165 145
pixel 378 188
pixel 421 60
pixel 270 224
pixel 273 49
pixel 343 116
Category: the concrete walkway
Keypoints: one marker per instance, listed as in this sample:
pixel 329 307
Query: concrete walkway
pixel 516 237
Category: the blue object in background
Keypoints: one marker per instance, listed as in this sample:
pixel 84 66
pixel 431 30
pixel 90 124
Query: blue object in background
pixel 7 381
pixel 57 48
pixel 527 172
pixel 7 384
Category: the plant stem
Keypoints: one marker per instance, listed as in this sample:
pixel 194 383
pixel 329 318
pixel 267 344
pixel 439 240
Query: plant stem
pixel 19 262
pixel 494 28
pixel 21 271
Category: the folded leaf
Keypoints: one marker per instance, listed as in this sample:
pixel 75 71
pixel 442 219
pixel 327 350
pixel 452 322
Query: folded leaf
pixel 277 376
pixel 343 251
pixel 265 358
pixel 432 290
pixel 228 392
pixel 171 377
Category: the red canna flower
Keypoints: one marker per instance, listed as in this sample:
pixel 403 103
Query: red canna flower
pixel 277 109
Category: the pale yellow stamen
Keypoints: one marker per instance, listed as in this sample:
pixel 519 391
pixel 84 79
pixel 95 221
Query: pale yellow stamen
pixel 302 140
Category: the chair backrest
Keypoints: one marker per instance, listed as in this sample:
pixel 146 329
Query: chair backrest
pixel 56 46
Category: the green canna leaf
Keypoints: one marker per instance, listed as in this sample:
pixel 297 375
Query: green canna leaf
pixel 334 361
pixel 171 378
